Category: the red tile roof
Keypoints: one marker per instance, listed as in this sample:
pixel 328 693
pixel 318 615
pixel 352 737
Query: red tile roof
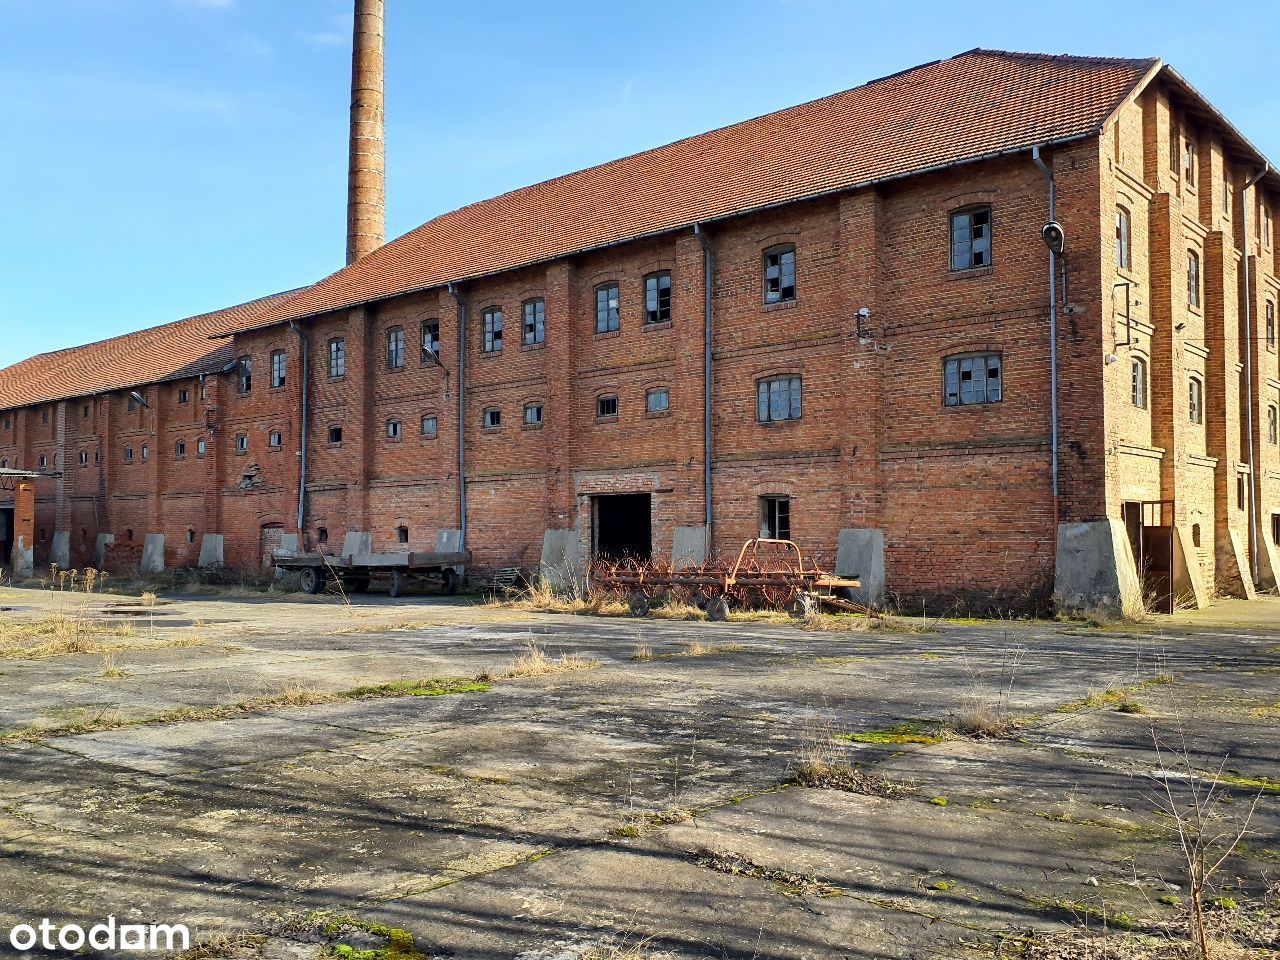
pixel 167 352
pixel 974 105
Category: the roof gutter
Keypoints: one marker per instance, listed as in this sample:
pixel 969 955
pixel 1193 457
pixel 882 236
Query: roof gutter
pixel 1254 538
pixel 759 208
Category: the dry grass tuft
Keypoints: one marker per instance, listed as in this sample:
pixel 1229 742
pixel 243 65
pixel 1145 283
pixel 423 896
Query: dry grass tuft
pixel 982 719
pixel 699 649
pixel 622 950
pixel 109 669
pixel 534 662
pixel 643 653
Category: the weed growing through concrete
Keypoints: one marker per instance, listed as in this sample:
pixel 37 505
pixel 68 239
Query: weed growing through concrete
pixel 821 761
pixel 1208 832
pixel 534 662
pixel 642 653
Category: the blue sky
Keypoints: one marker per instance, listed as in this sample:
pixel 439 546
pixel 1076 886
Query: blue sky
pixel 162 158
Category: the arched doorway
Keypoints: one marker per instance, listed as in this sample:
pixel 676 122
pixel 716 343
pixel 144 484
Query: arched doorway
pixel 270 537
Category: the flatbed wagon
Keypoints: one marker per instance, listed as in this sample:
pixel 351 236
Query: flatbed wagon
pixel 355 572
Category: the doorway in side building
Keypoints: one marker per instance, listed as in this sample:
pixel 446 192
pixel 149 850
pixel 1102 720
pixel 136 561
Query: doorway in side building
pixel 270 538
pixel 620 525
pixel 1149 524
pixel 6 535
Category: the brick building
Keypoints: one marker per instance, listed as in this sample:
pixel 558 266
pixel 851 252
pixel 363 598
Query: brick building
pixel 833 323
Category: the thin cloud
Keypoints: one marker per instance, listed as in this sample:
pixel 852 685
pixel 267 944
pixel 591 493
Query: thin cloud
pixel 336 33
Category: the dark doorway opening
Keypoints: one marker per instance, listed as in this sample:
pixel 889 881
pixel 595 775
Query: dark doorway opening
pixel 1149 524
pixel 6 535
pixel 622 526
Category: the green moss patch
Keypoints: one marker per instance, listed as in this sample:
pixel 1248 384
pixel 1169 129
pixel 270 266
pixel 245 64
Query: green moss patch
pixel 910 731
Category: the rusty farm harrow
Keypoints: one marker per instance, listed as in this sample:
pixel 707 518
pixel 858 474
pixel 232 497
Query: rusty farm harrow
pixel 767 575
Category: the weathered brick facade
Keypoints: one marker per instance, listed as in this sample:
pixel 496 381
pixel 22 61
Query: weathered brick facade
pixel 961 493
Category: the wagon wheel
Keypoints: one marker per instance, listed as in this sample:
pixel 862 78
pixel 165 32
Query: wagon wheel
pixel 750 596
pixel 311 580
pixel 637 573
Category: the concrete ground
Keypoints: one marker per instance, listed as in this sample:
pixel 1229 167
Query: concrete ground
pixel 642 803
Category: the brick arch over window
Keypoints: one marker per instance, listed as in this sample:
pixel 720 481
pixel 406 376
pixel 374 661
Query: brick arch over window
pixel 981 197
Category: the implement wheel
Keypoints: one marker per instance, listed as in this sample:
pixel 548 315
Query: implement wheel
pixel 799 606
pixel 311 580
pixel 718 609
pixel 397 583
pixel 638 604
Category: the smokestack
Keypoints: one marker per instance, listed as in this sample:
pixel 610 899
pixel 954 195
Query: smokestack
pixel 366 184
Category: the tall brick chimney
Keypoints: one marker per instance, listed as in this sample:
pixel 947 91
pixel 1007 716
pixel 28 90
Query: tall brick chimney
pixel 366 183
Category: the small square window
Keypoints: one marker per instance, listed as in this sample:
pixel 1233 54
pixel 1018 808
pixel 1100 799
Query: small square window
pixel 322 534
pixel 971 239
pixel 394 429
pixel 973 378
pixel 180 449
pixel 184 395
pixel 535 322
pixel 44 461
pixel 242 443
pixel 128 454
pixel 775 518
pixel 492 320
pixel 335 434
pixel 778 398
pixel 607 406
pixel 657 400
pixel 275 440
pixel 532 414
pixel 492 418
pixel 780 274
pixel 84 412
pixel 402 534
pixel 608 312
pixel 430 426
pixel 657 297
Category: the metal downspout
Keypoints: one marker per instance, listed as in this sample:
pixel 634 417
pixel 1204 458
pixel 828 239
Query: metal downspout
pixel 462 417
pixel 305 350
pixel 1248 366
pixel 706 378
pixel 1053 340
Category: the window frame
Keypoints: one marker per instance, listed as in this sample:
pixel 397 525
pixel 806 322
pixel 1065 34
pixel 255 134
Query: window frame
pixel 179 450
pixel 1195 399
pixel 242 443
pixel 435 426
pixel 184 396
pixel 655 310
pixel 531 335
pixel 959 360
pixel 969 213
pixel 652 392
pixel 244 376
pixel 430 331
pixel 334 434
pixel 1138 382
pixel 603 400
pixel 1124 238
pixel 395 348
pixel 337 358
pixel 794 398
pixel 1193 279
pixel 394 429
pixel 492 323
pixel 491 418
pixel 774 514
pixel 275 440
pixel 608 310
pixel 774 290
pixel 528 409
pixel 279 369
pixel 1273 424
pixel 128 454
